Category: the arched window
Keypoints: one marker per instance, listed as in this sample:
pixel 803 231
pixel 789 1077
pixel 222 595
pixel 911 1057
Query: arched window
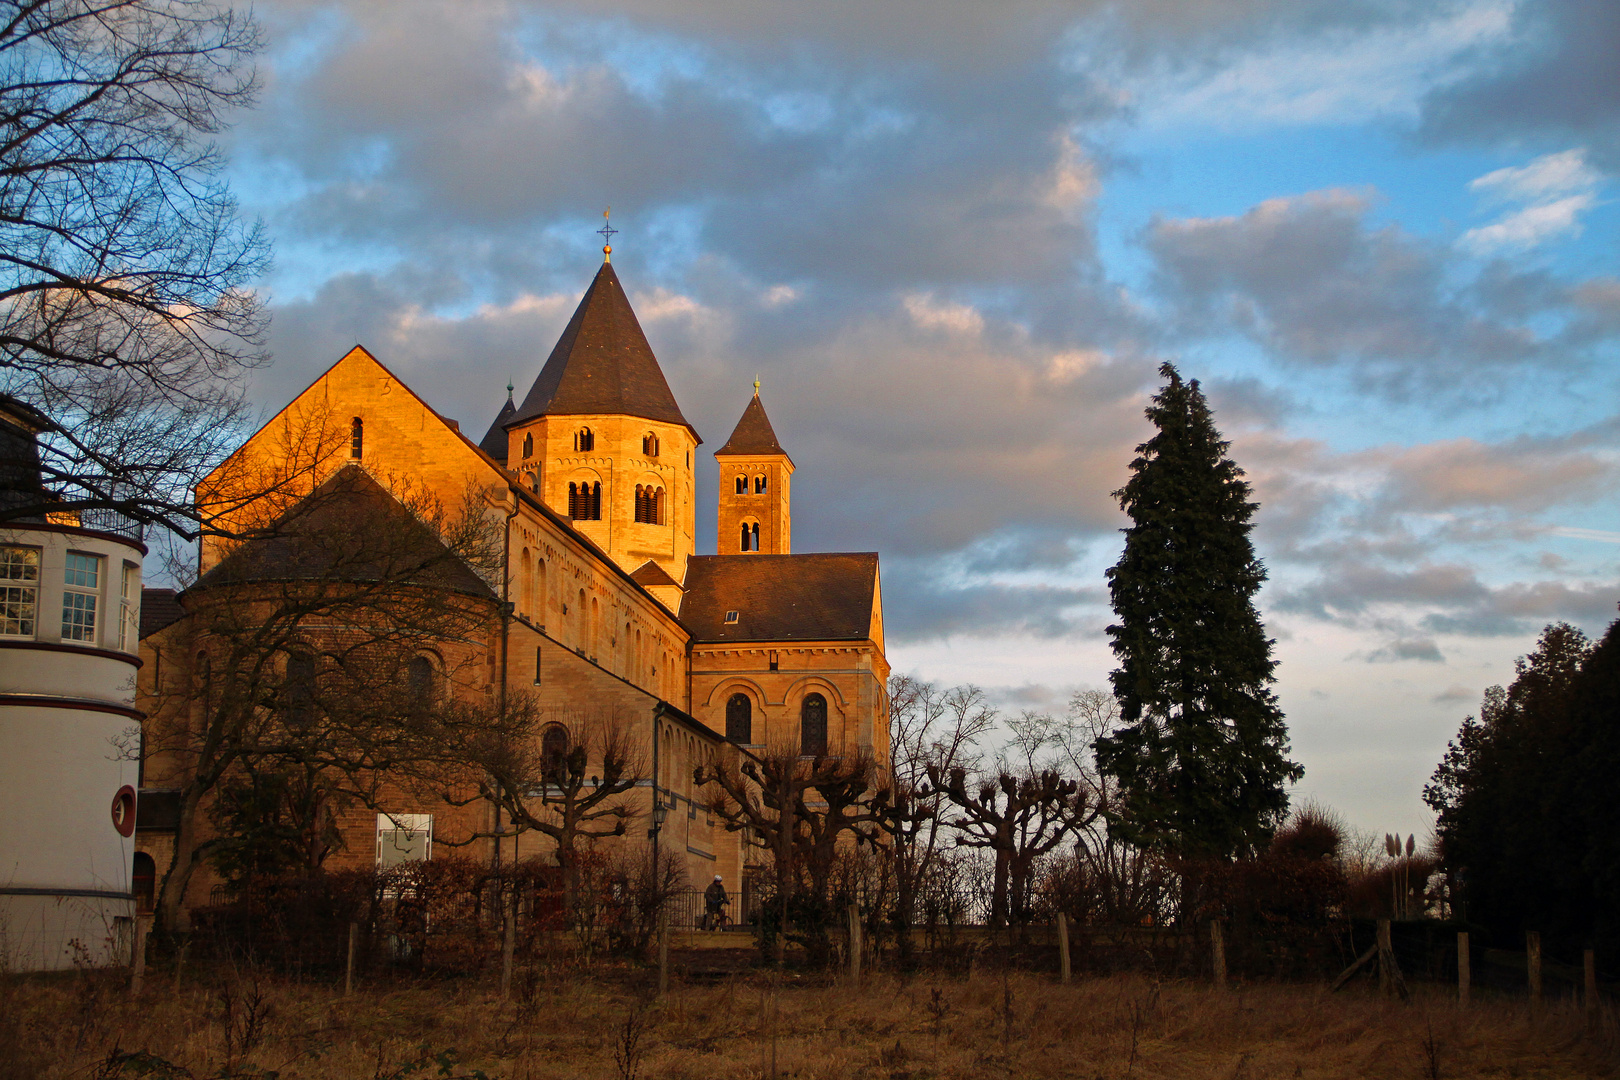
pixel 742 485
pixel 584 440
pixel 419 678
pixel 298 691
pixel 753 537
pixel 528 445
pixel 813 726
pixel 585 501
pixel 759 485
pixel 743 546
pixel 650 504
pixel 740 719
pixel 357 438
pixel 553 752
pixel 649 445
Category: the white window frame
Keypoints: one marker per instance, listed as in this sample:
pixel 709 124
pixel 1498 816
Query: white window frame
pixel 21 590
pixel 392 827
pixel 80 599
pixel 129 623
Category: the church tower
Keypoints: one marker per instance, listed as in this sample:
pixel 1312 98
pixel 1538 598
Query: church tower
pixel 601 440
pixel 756 477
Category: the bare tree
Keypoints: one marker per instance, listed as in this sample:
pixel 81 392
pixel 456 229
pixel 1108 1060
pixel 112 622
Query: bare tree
pixel 928 727
pixel 337 637
pixel 125 313
pixel 1019 818
pixel 801 811
pixel 569 792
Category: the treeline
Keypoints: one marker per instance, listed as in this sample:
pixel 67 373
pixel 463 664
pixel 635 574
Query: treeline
pixel 1528 824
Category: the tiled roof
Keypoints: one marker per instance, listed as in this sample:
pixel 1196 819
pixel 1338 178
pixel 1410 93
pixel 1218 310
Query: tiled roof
pixel 753 434
pixel 159 608
pixel 816 597
pixel 348 529
pixel 494 441
pixel 602 364
pixel 650 573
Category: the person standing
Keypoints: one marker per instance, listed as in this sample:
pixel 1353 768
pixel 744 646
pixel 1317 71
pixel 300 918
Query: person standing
pixel 714 900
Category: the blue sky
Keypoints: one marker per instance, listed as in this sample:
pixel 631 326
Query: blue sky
pixel 956 240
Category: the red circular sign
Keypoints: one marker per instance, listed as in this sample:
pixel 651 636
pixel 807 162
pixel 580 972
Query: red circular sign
pixel 123 811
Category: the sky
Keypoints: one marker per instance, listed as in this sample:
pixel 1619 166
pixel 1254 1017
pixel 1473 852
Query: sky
pixel 956 240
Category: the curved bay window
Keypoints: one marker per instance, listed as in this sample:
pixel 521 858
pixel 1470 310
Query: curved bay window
pixel 585 501
pixel 554 745
pixel 584 440
pixel 649 504
pixel 813 726
pixel 740 719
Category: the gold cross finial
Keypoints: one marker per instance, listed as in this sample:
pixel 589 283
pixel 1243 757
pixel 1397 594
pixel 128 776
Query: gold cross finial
pixel 607 230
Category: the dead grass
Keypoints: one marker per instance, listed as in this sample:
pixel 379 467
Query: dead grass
pixel 563 1024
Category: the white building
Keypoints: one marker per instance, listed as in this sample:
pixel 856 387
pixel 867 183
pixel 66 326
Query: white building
pixel 69 629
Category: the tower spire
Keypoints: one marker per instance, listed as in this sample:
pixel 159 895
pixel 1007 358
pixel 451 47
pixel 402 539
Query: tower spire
pixel 607 232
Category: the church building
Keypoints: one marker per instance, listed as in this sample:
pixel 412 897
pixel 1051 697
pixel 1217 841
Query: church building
pixel 603 605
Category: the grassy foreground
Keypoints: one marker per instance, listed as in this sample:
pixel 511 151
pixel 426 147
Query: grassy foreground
pixel 566 1024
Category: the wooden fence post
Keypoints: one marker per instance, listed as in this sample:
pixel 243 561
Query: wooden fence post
pixel 1465 969
pixel 1217 948
pixel 1063 947
pixel 1532 956
pixel 663 948
pixel 854 945
pixel 137 960
pixel 348 971
pixel 1591 992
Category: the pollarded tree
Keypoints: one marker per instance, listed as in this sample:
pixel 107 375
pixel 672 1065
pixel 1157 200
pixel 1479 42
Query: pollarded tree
pixel 1201 755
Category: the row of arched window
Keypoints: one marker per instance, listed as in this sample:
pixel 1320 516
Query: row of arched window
pixel 812 723
pixel 585 501
pixel 298 705
pixel 759 485
pixel 649 504
pixel 585 441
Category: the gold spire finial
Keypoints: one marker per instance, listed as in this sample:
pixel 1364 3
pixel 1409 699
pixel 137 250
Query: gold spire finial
pixel 756 386
pixel 607 230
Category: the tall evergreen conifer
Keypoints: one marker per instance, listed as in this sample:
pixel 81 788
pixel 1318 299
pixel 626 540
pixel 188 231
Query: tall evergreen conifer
pixel 1201 757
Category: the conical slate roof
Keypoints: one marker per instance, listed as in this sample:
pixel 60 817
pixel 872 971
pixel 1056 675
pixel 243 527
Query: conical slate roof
pixel 753 434
pixel 494 441
pixel 602 364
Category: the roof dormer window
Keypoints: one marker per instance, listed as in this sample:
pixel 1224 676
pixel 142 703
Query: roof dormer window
pixel 731 618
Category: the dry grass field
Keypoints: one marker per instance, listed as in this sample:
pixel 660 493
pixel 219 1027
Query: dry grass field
pixel 562 1023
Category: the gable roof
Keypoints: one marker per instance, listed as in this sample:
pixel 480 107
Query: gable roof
pixel 650 573
pixel 159 608
pixel 348 529
pixel 602 364
pixel 753 433
pixel 815 597
pixel 494 441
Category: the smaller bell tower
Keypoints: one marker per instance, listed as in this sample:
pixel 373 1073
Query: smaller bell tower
pixel 756 487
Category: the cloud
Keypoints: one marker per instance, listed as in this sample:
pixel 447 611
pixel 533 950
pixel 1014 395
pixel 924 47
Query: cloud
pixel 1309 279
pixel 1556 189
pixel 1454 692
pixel 1551 78
pixel 1421 649
pixel 1333 74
